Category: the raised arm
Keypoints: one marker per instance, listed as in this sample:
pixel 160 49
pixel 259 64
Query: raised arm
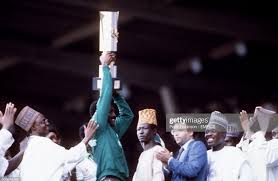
pixel 6 138
pixel 14 162
pixel 76 154
pixel 125 117
pixel 245 123
pixel 7 122
pixel 104 101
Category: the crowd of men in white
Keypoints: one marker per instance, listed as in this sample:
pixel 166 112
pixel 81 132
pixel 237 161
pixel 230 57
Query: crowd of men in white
pixel 254 158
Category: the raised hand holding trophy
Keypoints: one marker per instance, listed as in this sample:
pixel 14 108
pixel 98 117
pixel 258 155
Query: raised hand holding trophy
pixel 108 39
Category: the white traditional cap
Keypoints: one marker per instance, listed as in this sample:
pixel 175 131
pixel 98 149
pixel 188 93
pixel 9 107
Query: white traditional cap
pixel 218 118
pixel 26 118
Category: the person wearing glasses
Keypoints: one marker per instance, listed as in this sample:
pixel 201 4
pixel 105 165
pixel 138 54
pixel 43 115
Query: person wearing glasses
pixel 44 160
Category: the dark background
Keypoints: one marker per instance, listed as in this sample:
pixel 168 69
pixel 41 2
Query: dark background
pixel 49 54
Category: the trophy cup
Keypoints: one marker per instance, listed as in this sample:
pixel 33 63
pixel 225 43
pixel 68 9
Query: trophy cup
pixel 108 39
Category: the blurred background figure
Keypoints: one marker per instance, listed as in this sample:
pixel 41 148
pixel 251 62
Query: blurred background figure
pixel 233 135
pixel 275 133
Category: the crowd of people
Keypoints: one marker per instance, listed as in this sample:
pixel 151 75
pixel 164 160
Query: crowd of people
pixel 227 154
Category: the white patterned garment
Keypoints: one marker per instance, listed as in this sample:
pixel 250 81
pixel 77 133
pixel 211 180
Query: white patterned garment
pixel 272 160
pixel 228 164
pixel 263 156
pixel 255 154
pixel 6 140
pixel 44 160
pixel 86 170
pixel 148 167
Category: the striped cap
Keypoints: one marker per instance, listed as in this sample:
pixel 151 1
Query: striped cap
pixel 218 118
pixel 26 118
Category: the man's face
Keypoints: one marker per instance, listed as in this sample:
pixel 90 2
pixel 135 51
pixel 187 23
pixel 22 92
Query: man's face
pixel 274 134
pixel 181 135
pixel 144 132
pixel 40 125
pixel 231 141
pixel 215 135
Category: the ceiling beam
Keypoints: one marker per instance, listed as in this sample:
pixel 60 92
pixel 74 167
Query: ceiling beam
pixel 234 26
pixel 226 24
pixel 6 62
pixel 86 65
pixel 76 35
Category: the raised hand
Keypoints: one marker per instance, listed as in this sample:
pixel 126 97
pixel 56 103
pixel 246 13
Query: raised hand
pixel 89 131
pixel 107 57
pixel 7 120
pixel 163 155
pixel 244 120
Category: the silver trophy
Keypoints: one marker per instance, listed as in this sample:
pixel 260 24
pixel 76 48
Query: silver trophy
pixel 108 39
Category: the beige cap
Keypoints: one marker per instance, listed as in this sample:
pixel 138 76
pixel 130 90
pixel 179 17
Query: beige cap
pixel 147 116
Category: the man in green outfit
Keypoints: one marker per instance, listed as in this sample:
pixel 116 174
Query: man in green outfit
pixel 108 152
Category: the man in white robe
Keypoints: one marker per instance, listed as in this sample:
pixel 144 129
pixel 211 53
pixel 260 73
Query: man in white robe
pixel 149 168
pixel 44 160
pixel 6 138
pixel 226 163
pixel 264 155
pixel 271 159
pixel 261 154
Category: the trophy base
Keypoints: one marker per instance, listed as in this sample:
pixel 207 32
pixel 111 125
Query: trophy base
pixel 97 83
